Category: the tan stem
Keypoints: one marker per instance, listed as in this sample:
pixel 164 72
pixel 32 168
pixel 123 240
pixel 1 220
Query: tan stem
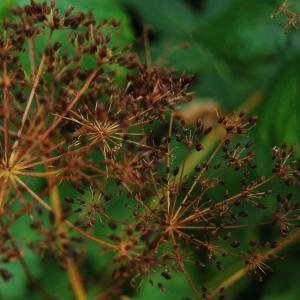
pixel 32 56
pixel 72 270
pixel 214 137
pixel 6 111
pixel 30 98
pixel 68 223
pixel 239 274
pixel 71 104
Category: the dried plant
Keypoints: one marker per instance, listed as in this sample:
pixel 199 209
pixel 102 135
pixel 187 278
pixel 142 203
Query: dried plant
pixel 291 17
pixel 66 124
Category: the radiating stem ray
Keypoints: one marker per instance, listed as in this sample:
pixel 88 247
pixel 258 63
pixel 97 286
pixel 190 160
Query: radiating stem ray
pixel 240 273
pixel 71 225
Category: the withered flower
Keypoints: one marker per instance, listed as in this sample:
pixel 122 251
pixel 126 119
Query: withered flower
pixel 64 124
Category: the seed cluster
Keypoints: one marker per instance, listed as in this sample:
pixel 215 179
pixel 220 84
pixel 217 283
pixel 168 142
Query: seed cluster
pixel 289 15
pixel 70 120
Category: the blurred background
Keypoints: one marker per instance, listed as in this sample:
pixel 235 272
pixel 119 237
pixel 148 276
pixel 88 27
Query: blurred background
pixel 242 58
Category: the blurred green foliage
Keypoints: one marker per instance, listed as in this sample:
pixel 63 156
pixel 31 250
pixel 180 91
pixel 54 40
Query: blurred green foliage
pixel 235 49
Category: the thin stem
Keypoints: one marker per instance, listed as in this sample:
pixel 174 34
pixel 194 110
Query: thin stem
pixel 73 272
pixel 90 237
pixel 227 201
pixel 3 187
pixel 6 111
pixel 31 95
pixel 32 56
pixel 59 118
pixel 71 105
pixel 169 162
pixel 239 274
pixel 212 139
pixel 71 225
pixel 182 266
pixel 75 279
pixel 223 226
pixel 182 208
pixel 33 90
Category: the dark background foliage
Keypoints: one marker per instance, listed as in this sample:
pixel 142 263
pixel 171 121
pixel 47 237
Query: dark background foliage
pixel 238 53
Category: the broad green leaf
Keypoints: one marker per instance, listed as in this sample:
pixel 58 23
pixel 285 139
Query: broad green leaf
pixel 175 288
pixel 243 31
pixel 279 119
pixel 170 18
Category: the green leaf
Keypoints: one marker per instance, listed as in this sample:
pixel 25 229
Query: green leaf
pixel 243 31
pixel 176 288
pixel 5 5
pixel 170 18
pixel 279 117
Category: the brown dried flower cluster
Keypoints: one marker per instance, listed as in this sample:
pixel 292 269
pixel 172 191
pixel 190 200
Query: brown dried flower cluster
pixel 291 17
pixel 68 119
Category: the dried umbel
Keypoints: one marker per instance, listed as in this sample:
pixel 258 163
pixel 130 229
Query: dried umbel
pixel 291 17
pixel 68 120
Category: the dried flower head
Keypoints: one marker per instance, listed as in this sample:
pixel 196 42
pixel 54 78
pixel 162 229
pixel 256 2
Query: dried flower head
pixel 291 17
pixel 69 121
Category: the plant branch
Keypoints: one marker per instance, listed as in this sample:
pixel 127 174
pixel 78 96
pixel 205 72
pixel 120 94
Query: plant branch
pixel 239 274
pixel 72 270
